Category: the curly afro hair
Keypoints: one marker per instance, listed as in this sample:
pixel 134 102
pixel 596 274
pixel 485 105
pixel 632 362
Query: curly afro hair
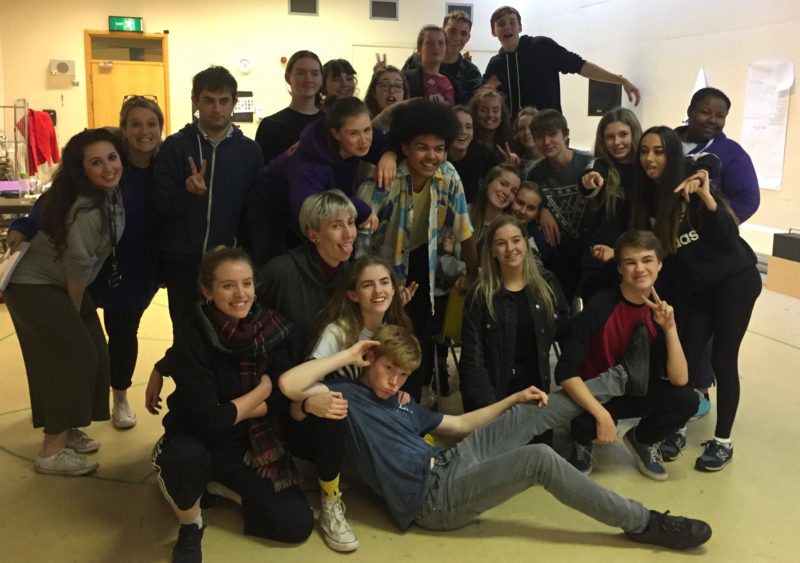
pixel 422 117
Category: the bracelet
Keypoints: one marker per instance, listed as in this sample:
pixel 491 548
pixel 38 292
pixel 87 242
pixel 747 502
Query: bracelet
pixel 303 407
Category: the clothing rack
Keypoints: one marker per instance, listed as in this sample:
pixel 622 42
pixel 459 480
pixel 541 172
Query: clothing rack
pixel 14 141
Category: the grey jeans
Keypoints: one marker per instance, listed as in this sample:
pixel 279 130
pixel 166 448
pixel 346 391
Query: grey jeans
pixel 495 462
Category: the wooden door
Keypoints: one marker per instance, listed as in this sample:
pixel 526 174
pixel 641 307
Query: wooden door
pixel 123 64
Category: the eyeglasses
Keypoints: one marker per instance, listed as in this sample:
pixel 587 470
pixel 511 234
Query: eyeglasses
pixel 393 86
pixel 138 97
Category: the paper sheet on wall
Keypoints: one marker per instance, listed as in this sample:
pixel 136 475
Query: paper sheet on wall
pixel 766 113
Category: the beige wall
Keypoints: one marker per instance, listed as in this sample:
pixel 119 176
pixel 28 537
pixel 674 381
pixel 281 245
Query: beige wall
pixel 660 46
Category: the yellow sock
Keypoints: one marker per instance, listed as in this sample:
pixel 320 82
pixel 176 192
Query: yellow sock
pixel 331 488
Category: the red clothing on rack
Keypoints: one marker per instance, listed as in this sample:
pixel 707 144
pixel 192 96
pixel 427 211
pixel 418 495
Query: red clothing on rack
pixel 42 143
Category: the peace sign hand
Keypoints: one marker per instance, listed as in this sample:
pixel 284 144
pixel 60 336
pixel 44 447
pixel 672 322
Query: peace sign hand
pixel 663 314
pixel 509 156
pixel 196 182
pixel 380 62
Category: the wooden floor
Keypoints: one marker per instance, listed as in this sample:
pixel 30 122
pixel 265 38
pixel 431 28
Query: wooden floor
pixel 119 514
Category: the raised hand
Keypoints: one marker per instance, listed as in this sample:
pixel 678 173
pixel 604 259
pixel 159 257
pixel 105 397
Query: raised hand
pixel 634 95
pixel 386 169
pixel 663 314
pixel 358 351
pixel 592 180
pixel 509 156
pixel 532 394
pixel 407 292
pixel 380 62
pixel 196 182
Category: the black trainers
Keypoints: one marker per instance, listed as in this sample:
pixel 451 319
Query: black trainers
pixel 187 548
pixel 636 362
pixel 673 445
pixel 581 457
pixel 647 456
pixel 674 532
pixel 715 456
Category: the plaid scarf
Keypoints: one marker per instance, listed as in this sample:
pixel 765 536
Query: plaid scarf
pixel 251 339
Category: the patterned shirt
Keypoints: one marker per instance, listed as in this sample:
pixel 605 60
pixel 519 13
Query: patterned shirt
pixel 395 210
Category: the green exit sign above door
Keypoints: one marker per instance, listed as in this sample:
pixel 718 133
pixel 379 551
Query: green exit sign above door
pixel 124 23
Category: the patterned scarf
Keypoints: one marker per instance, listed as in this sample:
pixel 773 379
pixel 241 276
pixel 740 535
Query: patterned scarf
pixel 251 339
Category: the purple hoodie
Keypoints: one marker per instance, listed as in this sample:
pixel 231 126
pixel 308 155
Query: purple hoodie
pixel 737 179
pixel 288 180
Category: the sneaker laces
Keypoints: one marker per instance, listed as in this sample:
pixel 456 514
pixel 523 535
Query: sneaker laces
pixel 676 524
pixel 655 453
pixel 338 522
pixel 716 449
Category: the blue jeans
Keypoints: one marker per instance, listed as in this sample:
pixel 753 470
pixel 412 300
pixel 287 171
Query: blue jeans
pixel 495 462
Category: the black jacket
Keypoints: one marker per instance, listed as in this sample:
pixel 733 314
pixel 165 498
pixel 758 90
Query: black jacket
pixel 207 378
pixel 488 344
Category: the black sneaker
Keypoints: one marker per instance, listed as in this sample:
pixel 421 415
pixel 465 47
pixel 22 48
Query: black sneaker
pixel 581 457
pixel 647 456
pixel 187 548
pixel 715 456
pixel 674 532
pixel 673 445
pixel 636 362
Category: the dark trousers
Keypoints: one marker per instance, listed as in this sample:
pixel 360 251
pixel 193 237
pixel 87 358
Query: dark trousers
pixel 567 270
pixel 183 292
pixel 185 466
pixel 320 440
pixel 419 311
pixel 664 410
pixel 722 311
pixel 122 328
pixel 269 233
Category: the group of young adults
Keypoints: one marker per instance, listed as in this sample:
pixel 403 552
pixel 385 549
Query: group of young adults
pixel 286 344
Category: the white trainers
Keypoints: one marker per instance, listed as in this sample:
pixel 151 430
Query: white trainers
pixel 122 416
pixel 66 462
pixel 78 440
pixel 335 530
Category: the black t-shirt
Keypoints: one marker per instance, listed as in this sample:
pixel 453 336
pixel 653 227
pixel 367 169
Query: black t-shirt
pixel 526 360
pixel 281 130
pixel 472 169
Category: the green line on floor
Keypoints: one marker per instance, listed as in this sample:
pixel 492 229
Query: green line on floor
pixel 775 340
pixel 6 336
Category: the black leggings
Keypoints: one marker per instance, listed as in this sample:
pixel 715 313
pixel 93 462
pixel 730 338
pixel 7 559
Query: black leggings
pixel 123 345
pixel 185 466
pixel 419 311
pixel 320 440
pixel 722 311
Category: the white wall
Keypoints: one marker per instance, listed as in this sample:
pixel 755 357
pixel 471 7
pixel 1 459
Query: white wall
pixel 660 46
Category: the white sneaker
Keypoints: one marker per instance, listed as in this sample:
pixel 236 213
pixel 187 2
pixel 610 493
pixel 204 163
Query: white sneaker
pixel 335 530
pixel 66 462
pixel 78 440
pixel 122 416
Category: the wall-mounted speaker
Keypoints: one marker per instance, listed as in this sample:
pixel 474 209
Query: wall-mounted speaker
pixel 59 67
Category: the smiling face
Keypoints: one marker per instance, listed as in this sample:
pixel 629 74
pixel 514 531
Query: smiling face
pixel 334 239
pixel 639 269
pixel 507 30
pixel 652 156
pixel 305 78
pixel 102 165
pixel 706 119
pixel 389 90
pixel 342 86
pixel 233 289
pixel 465 132
pixel 433 48
pixel 509 246
pixel 526 205
pixel 523 133
pixel 424 154
pixel 383 376
pixel 618 140
pixel 490 112
pixel 354 136
pixel 458 33
pixel 374 290
pixel 501 191
pixel 551 144
pixel 214 110
pixel 142 131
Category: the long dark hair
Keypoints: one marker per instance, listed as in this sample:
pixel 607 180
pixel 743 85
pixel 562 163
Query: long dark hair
pixel 337 111
pixel 69 182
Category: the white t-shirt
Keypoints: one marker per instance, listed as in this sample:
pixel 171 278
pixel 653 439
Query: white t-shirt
pixel 329 344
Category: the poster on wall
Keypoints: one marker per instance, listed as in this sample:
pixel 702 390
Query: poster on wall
pixel 766 114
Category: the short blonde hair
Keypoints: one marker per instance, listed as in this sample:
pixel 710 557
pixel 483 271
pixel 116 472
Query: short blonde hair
pixel 324 205
pixel 399 345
